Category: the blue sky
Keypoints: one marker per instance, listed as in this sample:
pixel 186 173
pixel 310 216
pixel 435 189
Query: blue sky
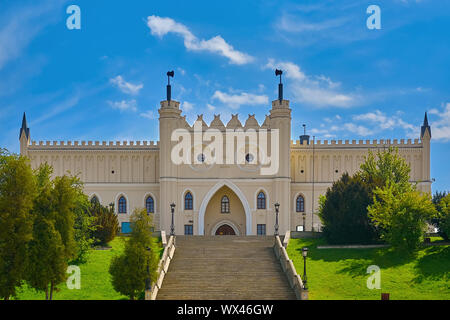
pixel 105 81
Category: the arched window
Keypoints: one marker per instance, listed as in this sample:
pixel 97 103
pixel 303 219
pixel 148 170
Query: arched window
pixel 188 201
pixel 261 200
pixel 122 205
pixel 150 204
pixel 225 205
pixel 94 200
pixel 300 204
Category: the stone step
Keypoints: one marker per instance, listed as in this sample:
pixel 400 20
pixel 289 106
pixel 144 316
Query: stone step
pixel 225 267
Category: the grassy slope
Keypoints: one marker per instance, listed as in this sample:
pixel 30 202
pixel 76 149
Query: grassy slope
pixel 342 273
pixel 95 279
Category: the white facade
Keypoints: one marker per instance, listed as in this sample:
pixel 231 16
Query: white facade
pixel 136 170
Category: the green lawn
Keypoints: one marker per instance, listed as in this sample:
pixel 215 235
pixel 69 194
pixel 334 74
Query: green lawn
pixel 95 278
pixel 335 274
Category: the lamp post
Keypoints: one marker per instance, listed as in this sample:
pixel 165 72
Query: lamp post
pixel 277 209
pixel 172 226
pixel 148 281
pixel 304 254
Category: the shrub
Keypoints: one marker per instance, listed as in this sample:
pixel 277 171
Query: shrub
pixel 343 212
pixel 402 217
pixel 106 223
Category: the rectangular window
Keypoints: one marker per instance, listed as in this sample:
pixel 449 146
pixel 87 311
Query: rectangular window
pixel 261 229
pixel 188 229
pixel 125 227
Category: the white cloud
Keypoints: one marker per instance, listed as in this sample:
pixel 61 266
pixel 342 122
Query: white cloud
pixel 210 107
pixel 440 129
pixel 124 105
pixel 385 122
pixel 358 129
pixel 148 114
pixel 160 26
pixel 319 91
pixel 126 87
pixel 234 101
pixel 187 106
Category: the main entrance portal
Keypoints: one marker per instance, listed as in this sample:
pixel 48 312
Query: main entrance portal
pixel 225 214
pixel 225 230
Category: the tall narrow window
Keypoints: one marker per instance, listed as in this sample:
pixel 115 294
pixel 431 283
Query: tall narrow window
pixel 188 201
pixel 122 205
pixel 300 204
pixel 225 205
pixel 150 204
pixel 261 200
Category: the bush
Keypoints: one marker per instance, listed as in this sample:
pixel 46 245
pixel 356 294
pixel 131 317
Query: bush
pixel 402 217
pixel 343 212
pixel 444 217
pixel 106 223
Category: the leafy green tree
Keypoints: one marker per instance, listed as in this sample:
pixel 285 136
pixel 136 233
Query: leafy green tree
pixel 402 216
pixel 106 223
pixel 343 212
pixel 386 166
pixel 84 225
pixel 441 219
pixel 444 217
pixel 17 192
pixel 139 260
pixel 53 244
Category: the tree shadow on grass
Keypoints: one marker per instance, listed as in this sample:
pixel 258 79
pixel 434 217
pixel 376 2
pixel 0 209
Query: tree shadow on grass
pixel 435 265
pixel 355 261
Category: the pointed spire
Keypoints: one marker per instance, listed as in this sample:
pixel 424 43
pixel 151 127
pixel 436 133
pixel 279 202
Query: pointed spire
pixel 425 120
pixel 24 129
pixel 425 127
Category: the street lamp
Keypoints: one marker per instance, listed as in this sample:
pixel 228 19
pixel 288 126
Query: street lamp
pixel 304 254
pixel 148 281
pixel 304 221
pixel 172 227
pixel 277 209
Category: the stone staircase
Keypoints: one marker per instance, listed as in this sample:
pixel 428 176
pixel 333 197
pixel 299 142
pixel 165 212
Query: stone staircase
pixel 225 268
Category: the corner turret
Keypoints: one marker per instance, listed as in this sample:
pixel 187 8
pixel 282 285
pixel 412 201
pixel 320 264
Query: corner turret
pixel 24 136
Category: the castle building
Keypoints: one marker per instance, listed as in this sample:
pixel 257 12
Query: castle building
pixel 233 196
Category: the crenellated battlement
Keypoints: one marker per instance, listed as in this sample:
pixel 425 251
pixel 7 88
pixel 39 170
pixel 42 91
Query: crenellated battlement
pixel 358 143
pixel 232 124
pixel 96 145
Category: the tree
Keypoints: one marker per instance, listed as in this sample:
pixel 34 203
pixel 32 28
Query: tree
pixel 53 244
pixel 17 192
pixel 386 167
pixel 444 217
pixel 402 217
pixel 343 212
pixel 84 228
pixel 105 222
pixel 139 260
pixel 441 220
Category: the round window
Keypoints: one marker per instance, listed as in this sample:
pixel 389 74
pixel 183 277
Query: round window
pixel 249 158
pixel 201 157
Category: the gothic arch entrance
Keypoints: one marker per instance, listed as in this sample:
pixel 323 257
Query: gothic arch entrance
pixel 225 214
pixel 205 223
